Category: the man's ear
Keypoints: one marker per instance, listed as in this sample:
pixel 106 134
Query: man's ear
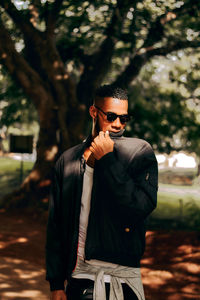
pixel 93 112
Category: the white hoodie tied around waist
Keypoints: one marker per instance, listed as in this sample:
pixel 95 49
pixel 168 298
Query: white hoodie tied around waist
pixel 119 274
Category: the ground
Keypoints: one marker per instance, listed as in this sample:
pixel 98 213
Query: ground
pixel 170 267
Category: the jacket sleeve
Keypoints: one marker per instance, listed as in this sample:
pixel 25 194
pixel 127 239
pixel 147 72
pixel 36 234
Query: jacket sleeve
pixel 134 189
pixel 54 254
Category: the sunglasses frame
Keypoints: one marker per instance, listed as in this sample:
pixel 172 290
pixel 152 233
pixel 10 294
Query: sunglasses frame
pixel 114 114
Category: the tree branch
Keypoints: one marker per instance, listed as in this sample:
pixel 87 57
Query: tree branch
pixel 155 35
pixel 172 47
pixel 112 32
pixel 52 16
pixel 38 50
pixel 156 30
pixel 19 68
pixel 144 55
pixel 22 22
pixel 98 64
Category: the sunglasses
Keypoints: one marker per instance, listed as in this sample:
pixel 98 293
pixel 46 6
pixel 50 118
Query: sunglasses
pixel 111 117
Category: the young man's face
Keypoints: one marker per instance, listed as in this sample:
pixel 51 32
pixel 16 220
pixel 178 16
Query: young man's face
pixel 109 104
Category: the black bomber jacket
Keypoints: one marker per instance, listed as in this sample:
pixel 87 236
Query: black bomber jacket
pixel 124 193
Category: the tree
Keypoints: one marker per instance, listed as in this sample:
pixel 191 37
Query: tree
pixel 60 51
pixel 166 103
pixel 17 109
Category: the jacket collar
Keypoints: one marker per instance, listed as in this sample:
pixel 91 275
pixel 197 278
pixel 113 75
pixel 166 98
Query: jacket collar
pixel 113 135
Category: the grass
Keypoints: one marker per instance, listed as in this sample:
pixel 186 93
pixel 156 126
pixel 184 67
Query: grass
pixel 172 199
pixel 172 206
pixel 179 171
pixel 178 205
pixel 10 174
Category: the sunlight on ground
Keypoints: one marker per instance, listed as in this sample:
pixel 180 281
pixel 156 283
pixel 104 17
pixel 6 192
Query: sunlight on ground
pixel 155 277
pixel 190 288
pixel 188 267
pixel 30 294
pixel 13 241
pixel 26 274
pixel 19 279
pixel 177 277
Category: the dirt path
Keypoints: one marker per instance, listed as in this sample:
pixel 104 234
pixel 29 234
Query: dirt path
pixel 21 280
pixel 22 266
pixel 170 267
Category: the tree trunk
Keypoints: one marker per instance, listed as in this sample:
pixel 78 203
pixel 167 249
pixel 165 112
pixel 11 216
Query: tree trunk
pixel 52 141
pixel 43 76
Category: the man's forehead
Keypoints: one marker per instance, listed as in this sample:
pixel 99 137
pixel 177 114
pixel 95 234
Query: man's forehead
pixel 116 100
pixel 110 101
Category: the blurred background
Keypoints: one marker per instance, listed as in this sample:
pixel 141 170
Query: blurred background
pixel 53 56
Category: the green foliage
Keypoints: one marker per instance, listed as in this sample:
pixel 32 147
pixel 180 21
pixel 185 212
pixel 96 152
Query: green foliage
pixel 186 78
pixel 16 107
pixel 82 25
pixel 161 114
pixel 166 109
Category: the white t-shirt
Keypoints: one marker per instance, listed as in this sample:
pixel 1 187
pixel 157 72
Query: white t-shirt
pixel 85 209
pixel 83 224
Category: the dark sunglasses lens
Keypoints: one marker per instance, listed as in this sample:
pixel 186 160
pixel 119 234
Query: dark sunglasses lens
pixel 124 119
pixel 111 117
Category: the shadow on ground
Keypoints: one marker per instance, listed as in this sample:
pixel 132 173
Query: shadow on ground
pixel 170 267
pixel 21 280
pixel 22 249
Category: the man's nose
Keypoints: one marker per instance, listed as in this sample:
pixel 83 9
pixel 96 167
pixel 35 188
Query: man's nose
pixel 116 123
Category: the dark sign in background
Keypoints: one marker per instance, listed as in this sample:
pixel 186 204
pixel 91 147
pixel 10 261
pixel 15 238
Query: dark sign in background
pixel 21 143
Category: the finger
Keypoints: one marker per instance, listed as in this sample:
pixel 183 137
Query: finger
pixel 94 146
pixel 92 149
pixel 107 133
pixel 96 138
pixel 101 134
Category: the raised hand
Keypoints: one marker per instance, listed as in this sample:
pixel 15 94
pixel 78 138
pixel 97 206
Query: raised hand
pixel 101 145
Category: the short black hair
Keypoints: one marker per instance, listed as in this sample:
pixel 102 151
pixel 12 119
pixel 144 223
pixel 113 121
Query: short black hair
pixel 110 90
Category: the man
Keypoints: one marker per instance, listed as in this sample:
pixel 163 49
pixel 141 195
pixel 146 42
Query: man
pixel 103 191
